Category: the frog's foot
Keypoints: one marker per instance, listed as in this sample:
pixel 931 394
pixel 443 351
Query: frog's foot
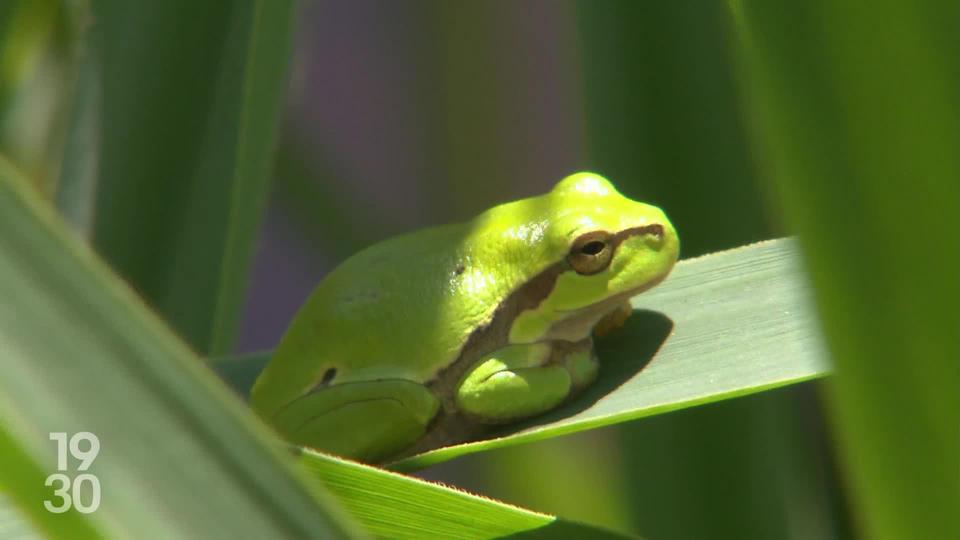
pixel 613 320
pixel 525 380
pixel 367 421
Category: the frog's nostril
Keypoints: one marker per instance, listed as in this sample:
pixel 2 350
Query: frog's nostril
pixel 652 235
pixel 655 230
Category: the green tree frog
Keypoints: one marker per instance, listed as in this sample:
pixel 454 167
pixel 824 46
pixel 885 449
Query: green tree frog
pixel 483 322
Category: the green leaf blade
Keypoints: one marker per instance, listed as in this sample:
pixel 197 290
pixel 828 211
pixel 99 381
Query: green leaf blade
pixel 392 505
pixel 858 114
pixel 179 456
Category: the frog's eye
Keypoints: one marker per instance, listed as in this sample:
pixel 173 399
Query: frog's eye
pixel 591 253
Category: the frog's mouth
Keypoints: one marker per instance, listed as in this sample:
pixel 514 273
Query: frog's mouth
pixel 579 322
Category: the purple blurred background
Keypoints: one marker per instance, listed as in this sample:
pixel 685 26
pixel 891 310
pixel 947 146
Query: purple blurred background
pixel 364 108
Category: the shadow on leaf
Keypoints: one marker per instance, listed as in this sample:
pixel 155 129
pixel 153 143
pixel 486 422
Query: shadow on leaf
pixel 623 355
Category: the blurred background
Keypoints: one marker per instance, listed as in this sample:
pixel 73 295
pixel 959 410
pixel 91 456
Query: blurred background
pixel 404 114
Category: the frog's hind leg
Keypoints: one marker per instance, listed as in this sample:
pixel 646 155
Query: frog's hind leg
pixel 519 381
pixel 368 421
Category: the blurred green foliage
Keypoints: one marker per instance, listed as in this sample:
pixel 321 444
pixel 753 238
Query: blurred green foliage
pixel 663 117
pixel 38 45
pixel 191 94
pixel 181 456
pixel 859 108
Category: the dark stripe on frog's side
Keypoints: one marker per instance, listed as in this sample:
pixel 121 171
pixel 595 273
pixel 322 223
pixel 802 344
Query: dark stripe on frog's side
pixel 495 335
pixel 449 426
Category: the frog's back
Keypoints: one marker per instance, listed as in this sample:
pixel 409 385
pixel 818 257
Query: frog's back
pixel 402 308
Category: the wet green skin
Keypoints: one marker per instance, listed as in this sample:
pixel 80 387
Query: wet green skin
pixel 488 320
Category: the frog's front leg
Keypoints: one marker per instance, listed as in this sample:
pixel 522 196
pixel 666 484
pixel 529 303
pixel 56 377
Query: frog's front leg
pixel 519 381
pixel 365 420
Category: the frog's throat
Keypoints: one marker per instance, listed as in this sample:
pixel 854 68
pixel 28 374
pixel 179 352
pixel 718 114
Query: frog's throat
pixel 581 321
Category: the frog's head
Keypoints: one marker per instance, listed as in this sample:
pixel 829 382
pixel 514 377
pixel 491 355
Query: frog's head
pixel 608 247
